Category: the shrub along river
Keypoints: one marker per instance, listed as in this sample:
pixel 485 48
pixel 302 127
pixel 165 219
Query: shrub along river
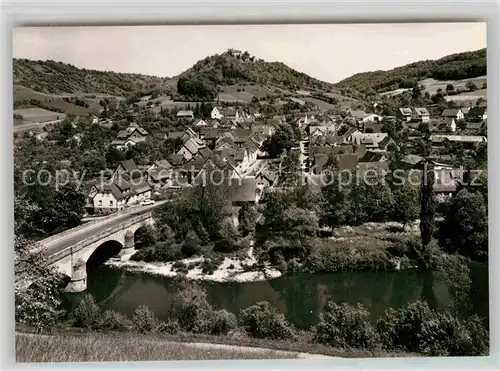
pixel 300 297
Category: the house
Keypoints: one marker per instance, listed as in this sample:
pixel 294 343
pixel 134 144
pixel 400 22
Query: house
pixel 451 124
pixel 477 113
pixel 115 194
pixel 190 148
pixel 404 114
pixel 386 144
pixel 266 178
pixel 370 140
pixel 127 169
pixel 456 113
pixel 130 136
pixel 231 113
pixel 372 117
pixel 201 123
pixel 216 113
pixel 188 114
pixel 465 110
pixel 420 114
pixel 244 191
pixel 469 141
pixel 410 161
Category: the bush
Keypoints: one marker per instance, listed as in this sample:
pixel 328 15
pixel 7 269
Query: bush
pixel 264 321
pixel 188 304
pixel 345 326
pixel 214 322
pixel 171 327
pixel 418 328
pixel 144 320
pixel 114 321
pixel 87 313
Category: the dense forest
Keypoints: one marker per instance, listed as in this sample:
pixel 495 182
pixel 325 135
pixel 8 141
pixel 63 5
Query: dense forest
pixel 452 67
pixel 57 77
pixel 202 80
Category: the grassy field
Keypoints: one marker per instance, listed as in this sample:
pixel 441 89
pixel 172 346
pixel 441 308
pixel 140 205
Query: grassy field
pixel 36 114
pixel 22 93
pixel 230 93
pixel 127 347
pixel 432 86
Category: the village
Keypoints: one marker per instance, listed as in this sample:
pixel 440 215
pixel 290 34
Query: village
pixel 230 142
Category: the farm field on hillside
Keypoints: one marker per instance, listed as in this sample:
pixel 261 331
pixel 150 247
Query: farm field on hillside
pixel 56 102
pixel 37 114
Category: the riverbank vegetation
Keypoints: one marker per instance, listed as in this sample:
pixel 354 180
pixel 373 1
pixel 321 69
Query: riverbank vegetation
pixel 342 329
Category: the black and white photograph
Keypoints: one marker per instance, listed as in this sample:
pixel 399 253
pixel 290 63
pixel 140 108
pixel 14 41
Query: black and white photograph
pixel 260 191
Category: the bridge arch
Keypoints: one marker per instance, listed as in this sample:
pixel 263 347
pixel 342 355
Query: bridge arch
pixel 96 249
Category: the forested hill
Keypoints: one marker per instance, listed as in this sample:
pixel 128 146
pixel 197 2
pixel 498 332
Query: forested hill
pixel 229 68
pixel 452 67
pixel 57 77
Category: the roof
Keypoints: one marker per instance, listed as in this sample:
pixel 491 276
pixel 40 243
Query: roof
pixel 129 165
pixel 229 111
pixel 450 112
pixel 243 190
pixel 405 111
pixel 159 174
pixel 421 111
pixel 477 111
pixel 347 161
pixel 384 142
pixel 458 138
pixel 412 159
pixel 176 160
pixel 174 134
pixel 267 174
pixel 240 154
pixel 358 114
pixel 163 164
pixel 185 113
pixel 465 110
pixel 241 135
pixel 371 156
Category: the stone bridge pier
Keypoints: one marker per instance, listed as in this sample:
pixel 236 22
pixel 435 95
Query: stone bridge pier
pixel 72 261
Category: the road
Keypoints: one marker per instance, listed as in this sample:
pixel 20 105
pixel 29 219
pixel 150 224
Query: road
pixel 33 125
pixel 81 233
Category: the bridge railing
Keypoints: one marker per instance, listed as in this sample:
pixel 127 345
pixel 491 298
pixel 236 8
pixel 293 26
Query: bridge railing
pixel 80 245
pixel 66 233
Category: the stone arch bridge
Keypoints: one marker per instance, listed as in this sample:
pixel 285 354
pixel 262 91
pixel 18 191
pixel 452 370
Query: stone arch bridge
pixel 70 251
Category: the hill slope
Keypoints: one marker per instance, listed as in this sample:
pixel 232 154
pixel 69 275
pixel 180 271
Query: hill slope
pixel 57 77
pixel 204 79
pixel 452 67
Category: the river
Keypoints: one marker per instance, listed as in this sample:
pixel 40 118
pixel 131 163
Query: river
pixel 300 297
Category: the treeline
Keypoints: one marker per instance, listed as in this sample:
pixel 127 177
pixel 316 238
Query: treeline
pixel 414 328
pixel 57 77
pixel 453 67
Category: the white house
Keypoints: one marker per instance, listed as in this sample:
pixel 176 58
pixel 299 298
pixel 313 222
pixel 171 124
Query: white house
pixel 451 124
pixel 372 117
pixel 216 113
pixel 113 195
pixel 421 114
pixel 456 113
pixel 200 123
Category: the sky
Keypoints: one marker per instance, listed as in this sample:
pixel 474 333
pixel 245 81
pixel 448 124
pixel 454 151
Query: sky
pixel 327 52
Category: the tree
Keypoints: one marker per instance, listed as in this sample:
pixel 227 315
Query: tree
pixel 264 321
pixel 39 305
pixel 282 140
pixel 406 203
pixel 300 224
pixel 465 227
pixel 471 86
pixel 247 218
pixel 450 88
pixel 427 210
